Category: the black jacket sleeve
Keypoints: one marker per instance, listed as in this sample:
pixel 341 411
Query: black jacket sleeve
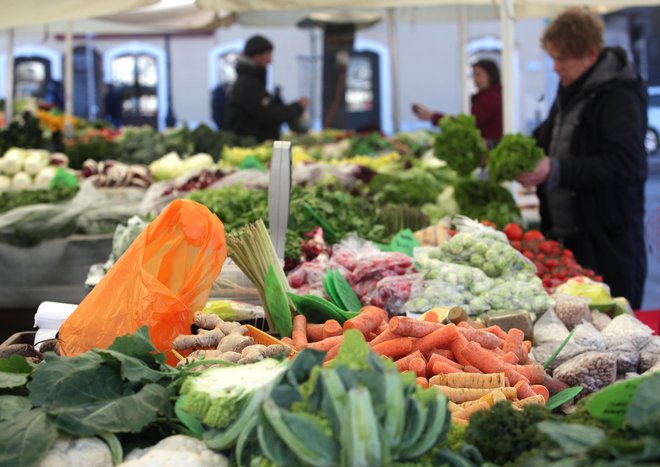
pixel 261 106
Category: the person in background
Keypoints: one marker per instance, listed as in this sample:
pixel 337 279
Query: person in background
pixel 591 183
pixel 486 103
pixel 252 111
pixel 112 105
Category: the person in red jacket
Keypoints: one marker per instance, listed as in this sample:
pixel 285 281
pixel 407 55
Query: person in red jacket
pixel 486 103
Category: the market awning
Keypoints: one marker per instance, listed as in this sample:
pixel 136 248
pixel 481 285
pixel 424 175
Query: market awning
pixel 19 13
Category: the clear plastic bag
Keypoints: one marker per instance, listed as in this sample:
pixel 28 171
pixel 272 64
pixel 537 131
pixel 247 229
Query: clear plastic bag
pixel 518 295
pixel 473 279
pixel 391 293
pixel 649 356
pixel 485 248
pixel 571 309
pixel 549 333
pixel 591 370
pixel 124 236
pixel 91 211
pixel 432 294
pixel 626 336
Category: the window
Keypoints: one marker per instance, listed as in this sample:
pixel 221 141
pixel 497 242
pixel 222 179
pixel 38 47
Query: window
pixel 32 74
pixel 227 67
pixel 136 78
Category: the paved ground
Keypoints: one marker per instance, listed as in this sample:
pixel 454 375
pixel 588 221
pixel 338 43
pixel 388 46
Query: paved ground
pixel 652 288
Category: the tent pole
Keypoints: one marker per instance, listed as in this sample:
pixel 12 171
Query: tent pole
pixel 92 107
pixel 462 50
pixel 9 98
pixel 391 35
pixel 68 78
pixel 507 22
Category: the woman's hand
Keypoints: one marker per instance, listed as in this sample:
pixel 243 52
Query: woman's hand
pixel 423 113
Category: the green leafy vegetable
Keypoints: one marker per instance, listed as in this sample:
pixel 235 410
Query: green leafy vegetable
pixel 644 411
pixel 12 405
pixel 484 200
pixel 14 371
pixel 11 200
pixel 345 293
pixel 562 397
pixel 513 155
pixel 574 439
pixel 25 440
pixel 460 144
pixel 278 304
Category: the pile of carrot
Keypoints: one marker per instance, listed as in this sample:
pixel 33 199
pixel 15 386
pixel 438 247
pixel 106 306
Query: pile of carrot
pixel 473 366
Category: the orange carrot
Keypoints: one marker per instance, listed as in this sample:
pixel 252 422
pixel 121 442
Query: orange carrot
pixel 370 336
pixel 541 390
pixel 332 328
pixel 495 329
pixel 485 339
pixel 431 317
pixel 412 327
pixel 418 365
pixel 465 325
pixel 448 354
pixel 386 335
pixel 524 390
pixel 513 375
pixel 534 373
pixel 524 356
pixel 510 357
pixel 395 348
pixel 382 327
pixel 457 346
pixel 326 344
pixel 439 358
pixel 441 337
pixel 471 369
pixel 299 333
pixel 332 353
pixel 403 363
pixel 423 382
pixel 287 341
pixel 367 321
pixel 513 342
pixel 314 332
pixel 527 345
pixel 497 352
pixel 444 369
pixel 480 358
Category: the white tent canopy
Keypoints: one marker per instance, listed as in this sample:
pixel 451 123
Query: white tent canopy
pixel 19 13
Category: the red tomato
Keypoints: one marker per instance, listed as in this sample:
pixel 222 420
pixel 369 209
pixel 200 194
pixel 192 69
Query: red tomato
pixel 489 224
pixel 533 235
pixel 551 263
pixel 513 231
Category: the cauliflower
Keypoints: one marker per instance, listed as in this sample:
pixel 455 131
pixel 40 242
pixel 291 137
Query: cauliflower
pixel 80 452
pixel 175 451
pixel 217 394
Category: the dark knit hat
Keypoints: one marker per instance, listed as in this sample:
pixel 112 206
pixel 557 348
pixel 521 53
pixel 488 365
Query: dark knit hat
pixel 256 45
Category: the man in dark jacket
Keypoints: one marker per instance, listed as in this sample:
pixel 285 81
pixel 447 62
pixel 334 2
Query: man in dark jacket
pixel 252 110
pixel 591 183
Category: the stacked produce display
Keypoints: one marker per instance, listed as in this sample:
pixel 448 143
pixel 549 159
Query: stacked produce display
pixel 393 332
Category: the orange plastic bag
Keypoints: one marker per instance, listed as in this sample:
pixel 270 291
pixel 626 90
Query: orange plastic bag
pixel 163 277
